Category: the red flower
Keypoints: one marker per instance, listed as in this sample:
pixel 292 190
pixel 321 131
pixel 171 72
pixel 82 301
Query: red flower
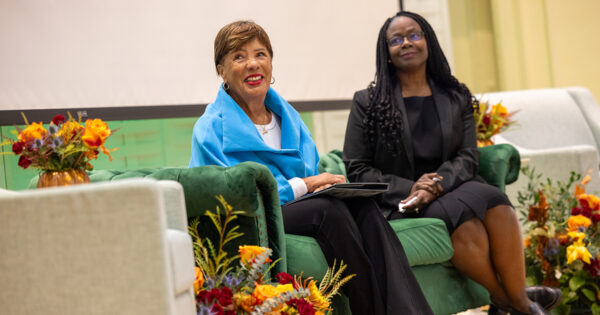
pixel 584 204
pixel 586 212
pixel 304 308
pixel 17 147
pixel 284 278
pixel 486 119
pixel 575 211
pixel 593 267
pixel 225 296
pixel 24 162
pixel 58 119
pixel 596 217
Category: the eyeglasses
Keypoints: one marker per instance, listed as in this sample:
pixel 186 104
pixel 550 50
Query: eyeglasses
pixel 399 40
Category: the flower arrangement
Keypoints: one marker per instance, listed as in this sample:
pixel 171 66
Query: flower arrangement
pixel 224 289
pixel 562 240
pixel 489 121
pixel 67 143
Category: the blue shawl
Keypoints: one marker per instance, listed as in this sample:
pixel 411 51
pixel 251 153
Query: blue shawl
pixel 224 135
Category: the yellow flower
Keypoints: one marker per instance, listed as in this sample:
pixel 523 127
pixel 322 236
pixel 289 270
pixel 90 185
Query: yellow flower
pixel 199 280
pixel 576 236
pixel 499 109
pixel 32 132
pixel 248 253
pixel 315 297
pixel 285 287
pixel 578 251
pixel 577 221
pixel 69 129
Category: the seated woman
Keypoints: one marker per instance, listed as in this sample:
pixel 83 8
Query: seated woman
pixel 413 128
pixel 249 121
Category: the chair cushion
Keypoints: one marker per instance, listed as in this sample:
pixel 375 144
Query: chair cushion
pixel 425 241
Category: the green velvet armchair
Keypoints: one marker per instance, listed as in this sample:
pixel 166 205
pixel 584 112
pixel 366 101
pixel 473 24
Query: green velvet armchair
pixel 251 187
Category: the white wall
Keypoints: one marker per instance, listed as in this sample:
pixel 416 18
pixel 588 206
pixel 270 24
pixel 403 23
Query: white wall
pixel 102 53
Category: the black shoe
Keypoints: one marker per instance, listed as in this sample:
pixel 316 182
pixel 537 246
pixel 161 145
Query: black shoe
pixel 546 297
pixel 534 309
pixel 497 310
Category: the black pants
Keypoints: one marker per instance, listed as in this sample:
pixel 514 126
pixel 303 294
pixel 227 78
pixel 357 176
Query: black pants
pixel 354 231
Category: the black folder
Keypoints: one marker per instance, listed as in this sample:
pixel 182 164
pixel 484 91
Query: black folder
pixel 348 190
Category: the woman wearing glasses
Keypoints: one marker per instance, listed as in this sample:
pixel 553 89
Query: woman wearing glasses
pixel 413 127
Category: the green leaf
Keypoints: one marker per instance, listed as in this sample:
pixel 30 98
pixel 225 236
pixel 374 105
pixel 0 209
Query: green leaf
pixel 576 282
pixel 595 309
pixel 589 294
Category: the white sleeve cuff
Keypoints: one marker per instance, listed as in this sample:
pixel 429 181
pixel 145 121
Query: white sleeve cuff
pixel 298 186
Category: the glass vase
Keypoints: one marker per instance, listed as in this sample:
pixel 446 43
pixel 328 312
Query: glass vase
pixel 62 178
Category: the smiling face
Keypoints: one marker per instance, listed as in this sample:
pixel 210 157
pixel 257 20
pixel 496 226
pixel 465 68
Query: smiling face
pixel 247 71
pixel 411 55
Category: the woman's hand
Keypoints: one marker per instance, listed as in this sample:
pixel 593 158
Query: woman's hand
pixel 430 182
pixel 424 198
pixel 322 181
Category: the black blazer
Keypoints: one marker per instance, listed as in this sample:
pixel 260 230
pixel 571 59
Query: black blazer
pixel 367 164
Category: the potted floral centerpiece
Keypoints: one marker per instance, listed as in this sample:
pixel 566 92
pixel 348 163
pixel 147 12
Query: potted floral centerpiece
pixel 63 151
pixel 562 240
pixel 229 285
pixel 489 121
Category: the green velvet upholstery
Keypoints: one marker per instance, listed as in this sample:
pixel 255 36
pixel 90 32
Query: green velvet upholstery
pixel 499 164
pixel 251 187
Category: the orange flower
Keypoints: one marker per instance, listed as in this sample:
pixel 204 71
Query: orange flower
pixel 96 132
pixel 563 239
pixel 248 253
pixel 265 291
pixel 577 221
pixel 32 132
pixel 199 280
pixel 539 212
pixel 527 242
pixel 245 301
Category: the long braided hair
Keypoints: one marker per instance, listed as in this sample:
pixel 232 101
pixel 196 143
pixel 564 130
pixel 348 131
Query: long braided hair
pixel 383 112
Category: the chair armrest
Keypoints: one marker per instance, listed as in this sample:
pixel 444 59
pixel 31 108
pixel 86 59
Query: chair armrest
pixel 181 254
pixel 499 164
pixel 249 187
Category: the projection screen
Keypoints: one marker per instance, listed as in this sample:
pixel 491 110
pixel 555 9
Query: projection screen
pixel 123 53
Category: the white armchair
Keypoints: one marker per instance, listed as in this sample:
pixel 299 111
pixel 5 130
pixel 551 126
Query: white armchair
pixel 109 248
pixel 556 132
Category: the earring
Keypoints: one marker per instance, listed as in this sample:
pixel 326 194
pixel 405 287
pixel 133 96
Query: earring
pixel 272 80
pixel 225 86
pixel 389 60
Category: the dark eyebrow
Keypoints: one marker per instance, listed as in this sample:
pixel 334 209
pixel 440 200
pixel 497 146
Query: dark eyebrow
pixel 409 31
